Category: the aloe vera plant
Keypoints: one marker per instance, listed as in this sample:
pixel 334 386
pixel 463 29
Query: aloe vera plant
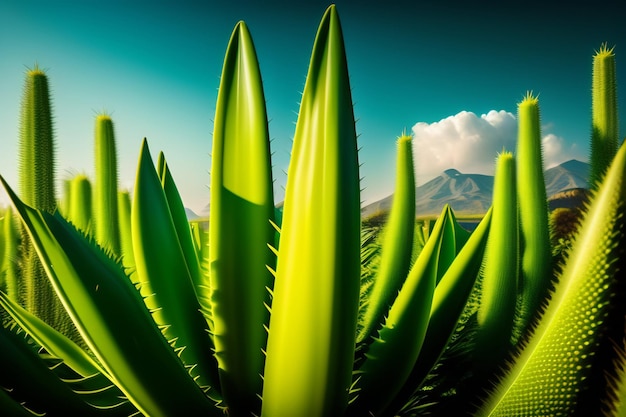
pixel 164 277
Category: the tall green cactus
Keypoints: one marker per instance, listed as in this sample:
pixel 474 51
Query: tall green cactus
pixel 126 240
pixel 310 348
pixel 397 245
pixel 496 312
pixel 106 220
pixel 563 368
pixel 9 273
pixel 36 167
pixel 604 120
pixel 79 203
pixel 37 189
pixel 536 257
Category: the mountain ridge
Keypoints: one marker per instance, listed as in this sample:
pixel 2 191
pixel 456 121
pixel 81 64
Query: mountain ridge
pixel 472 193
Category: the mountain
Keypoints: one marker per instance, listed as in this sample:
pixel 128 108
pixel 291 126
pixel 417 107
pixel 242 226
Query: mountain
pixel 570 174
pixel 570 198
pixel 191 215
pixel 471 193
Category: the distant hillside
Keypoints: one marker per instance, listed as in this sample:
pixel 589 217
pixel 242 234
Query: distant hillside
pixel 568 175
pixel 471 193
pixel 191 215
pixel 571 198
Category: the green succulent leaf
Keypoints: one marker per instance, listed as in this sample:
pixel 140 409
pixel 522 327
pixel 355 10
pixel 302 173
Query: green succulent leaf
pixel 310 350
pixel 449 299
pixel 240 226
pixel 181 224
pixel 164 277
pixel 12 407
pixel 393 352
pixel 54 342
pixel 29 380
pixel 72 365
pixel 112 317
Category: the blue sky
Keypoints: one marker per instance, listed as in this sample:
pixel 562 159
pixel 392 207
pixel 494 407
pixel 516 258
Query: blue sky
pixel 451 72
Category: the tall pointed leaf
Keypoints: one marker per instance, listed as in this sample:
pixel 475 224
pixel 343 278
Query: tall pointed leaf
pixel 164 278
pixel 313 322
pixel 112 317
pixel 240 229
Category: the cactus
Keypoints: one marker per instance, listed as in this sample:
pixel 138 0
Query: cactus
pixel 535 255
pixel 397 246
pixel 126 240
pixel 9 246
pixel 79 207
pixel 36 175
pixel 604 120
pixel 499 275
pixel 106 220
pixel 563 368
pixel 36 143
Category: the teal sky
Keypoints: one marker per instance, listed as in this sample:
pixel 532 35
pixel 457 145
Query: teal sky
pixel 452 73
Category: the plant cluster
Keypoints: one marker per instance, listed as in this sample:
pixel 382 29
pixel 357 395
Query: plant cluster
pixel 307 311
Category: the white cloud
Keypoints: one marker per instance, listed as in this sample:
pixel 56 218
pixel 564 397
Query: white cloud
pixel 465 141
pixel 470 144
pixel 556 150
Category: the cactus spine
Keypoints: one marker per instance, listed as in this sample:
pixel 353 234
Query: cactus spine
pixel 105 193
pixel 604 120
